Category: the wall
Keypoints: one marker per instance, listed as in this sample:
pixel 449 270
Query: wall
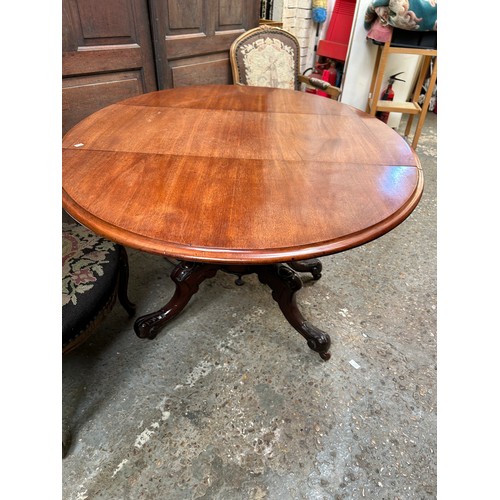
pixel 359 68
pixel 297 18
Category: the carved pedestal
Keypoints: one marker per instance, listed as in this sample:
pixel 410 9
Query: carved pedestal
pixel 281 278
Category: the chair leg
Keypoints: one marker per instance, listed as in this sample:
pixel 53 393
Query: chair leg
pixel 123 282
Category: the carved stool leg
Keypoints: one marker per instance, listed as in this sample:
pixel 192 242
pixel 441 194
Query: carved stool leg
pixel 123 282
pixel 312 266
pixel 187 277
pixel 284 283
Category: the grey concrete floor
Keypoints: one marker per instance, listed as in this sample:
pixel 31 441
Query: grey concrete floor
pixel 228 402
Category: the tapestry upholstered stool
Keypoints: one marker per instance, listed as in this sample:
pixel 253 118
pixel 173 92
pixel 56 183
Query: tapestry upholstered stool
pixel 94 274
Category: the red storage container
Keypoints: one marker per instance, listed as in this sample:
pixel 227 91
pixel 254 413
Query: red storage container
pixel 337 37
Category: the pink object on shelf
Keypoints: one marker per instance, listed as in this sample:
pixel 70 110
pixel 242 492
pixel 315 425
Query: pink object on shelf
pixel 380 32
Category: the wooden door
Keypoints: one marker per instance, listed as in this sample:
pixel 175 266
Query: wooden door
pixel 192 38
pixel 107 55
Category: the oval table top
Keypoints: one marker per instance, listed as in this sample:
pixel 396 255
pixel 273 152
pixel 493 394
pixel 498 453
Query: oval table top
pixel 238 175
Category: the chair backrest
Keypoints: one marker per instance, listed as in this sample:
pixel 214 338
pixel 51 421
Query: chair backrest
pixel 266 56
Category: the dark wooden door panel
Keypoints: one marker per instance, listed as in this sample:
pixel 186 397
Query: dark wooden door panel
pixel 192 38
pixel 107 55
pixel 210 70
pixel 83 95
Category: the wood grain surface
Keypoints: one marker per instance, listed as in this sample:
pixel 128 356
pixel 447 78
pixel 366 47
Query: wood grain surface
pixel 238 175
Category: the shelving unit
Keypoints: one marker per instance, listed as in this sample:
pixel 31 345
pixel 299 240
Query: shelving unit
pixel 411 107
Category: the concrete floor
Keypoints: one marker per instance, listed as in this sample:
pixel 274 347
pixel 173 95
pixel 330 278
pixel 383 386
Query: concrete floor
pixel 228 402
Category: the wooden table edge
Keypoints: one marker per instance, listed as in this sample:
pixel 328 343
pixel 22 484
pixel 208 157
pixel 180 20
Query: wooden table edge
pixel 243 256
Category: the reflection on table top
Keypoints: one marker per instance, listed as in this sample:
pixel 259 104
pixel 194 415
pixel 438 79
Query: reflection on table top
pixel 235 174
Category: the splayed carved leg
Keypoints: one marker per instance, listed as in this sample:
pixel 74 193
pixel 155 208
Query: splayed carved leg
pixel 312 266
pixel 284 283
pixel 187 277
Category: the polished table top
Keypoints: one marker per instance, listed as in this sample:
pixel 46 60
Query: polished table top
pixel 233 174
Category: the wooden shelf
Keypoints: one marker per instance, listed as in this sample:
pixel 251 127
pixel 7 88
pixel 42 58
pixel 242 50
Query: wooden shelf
pixel 414 51
pixel 412 107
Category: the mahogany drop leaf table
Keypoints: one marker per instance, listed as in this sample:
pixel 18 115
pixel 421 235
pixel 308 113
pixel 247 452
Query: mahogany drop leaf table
pixel 239 179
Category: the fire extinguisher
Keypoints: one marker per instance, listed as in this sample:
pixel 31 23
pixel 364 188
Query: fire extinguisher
pixel 388 95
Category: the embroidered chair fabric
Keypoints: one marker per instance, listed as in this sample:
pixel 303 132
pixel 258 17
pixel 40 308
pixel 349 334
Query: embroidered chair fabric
pixel 94 273
pixel 266 56
pixel 269 56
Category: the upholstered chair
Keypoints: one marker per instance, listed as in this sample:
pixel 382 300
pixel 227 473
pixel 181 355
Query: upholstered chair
pixel 269 56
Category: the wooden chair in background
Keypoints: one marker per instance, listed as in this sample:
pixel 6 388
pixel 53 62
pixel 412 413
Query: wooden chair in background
pixel 269 56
